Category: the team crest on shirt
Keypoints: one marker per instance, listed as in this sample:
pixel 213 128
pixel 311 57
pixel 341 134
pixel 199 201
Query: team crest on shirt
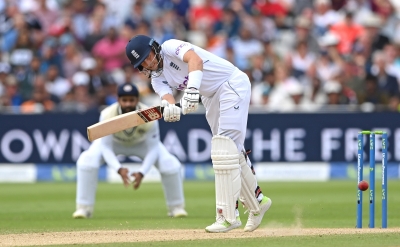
pixel 174 66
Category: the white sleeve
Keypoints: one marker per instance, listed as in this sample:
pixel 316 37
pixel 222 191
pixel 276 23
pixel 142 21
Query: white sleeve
pixel 160 86
pixel 108 153
pixel 176 48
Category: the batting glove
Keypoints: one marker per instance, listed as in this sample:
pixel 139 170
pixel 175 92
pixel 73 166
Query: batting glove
pixel 172 113
pixel 190 100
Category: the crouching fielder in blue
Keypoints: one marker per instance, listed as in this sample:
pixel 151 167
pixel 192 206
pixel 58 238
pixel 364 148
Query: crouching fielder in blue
pixel 142 141
pixel 225 94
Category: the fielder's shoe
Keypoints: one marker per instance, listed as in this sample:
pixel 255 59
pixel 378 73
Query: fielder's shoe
pixel 221 225
pixel 83 212
pixel 177 212
pixel 254 220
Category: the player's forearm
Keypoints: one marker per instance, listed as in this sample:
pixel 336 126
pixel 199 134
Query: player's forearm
pixel 195 67
pixel 195 63
pixel 170 98
pixel 193 60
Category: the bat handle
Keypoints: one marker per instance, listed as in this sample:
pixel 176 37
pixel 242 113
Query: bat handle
pixel 162 108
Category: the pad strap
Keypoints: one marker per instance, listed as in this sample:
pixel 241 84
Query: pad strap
pixel 249 186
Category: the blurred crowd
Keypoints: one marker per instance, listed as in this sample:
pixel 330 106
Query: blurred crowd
pixel 300 55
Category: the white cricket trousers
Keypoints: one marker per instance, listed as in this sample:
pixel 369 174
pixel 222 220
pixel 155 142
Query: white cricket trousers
pixel 167 164
pixel 227 110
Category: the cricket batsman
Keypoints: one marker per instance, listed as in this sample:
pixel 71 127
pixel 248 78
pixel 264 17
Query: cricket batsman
pixel 225 94
pixel 142 141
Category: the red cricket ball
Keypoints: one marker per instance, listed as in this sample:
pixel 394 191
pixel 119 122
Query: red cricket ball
pixel 363 185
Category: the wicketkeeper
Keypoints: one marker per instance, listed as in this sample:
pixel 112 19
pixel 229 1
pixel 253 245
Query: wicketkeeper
pixel 142 141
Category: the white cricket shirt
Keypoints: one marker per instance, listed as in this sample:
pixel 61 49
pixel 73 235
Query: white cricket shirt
pixel 175 72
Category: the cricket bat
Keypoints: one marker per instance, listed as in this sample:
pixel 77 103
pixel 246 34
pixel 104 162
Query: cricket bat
pixel 124 121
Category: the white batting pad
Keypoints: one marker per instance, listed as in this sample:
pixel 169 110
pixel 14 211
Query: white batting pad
pixel 249 185
pixel 225 158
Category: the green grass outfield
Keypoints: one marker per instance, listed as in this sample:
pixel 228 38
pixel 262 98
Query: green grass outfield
pixel 47 207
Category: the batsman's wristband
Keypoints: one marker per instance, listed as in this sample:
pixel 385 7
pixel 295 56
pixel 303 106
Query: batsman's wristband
pixel 195 78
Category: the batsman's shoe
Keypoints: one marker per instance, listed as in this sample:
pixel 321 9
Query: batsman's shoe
pixel 221 225
pixel 83 212
pixel 254 220
pixel 177 212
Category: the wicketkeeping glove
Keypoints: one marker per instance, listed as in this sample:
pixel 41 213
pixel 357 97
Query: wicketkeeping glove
pixel 190 100
pixel 172 113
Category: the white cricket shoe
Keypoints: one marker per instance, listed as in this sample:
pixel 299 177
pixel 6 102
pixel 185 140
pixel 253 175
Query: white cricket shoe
pixel 83 212
pixel 254 220
pixel 177 212
pixel 222 225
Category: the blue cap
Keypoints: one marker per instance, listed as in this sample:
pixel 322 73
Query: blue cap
pixel 128 89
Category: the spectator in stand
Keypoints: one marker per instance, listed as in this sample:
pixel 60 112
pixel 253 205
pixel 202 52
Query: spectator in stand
pixel 95 33
pixel 392 55
pixel 50 55
pixel 136 15
pixel 22 52
pixel 333 90
pixel 229 23
pixel 271 58
pixel 45 15
pixel 26 82
pixel 111 49
pixel 78 98
pixel 11 96
pixel 55 84
pixel 354 71
pixel 17 24
pixel 302 32
pixel 270 8
pixel 387 82
pixel 394 103
pixel 97 80
pixel 381 7
pixel 313 91
pixel 282 85
pixel 244 47
pixel 296 101
pixel 373 24
pixel 40 101
pixel 204 15
pixel 329 63
pixel 260 92
pixel 300 60
pixel 72 56
pixel 372 93
pixel 79 18
pixel 5 70
pixel 347 31
pixel 161 31
pixel 299 6
pixel 81 95
pixel 324 16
